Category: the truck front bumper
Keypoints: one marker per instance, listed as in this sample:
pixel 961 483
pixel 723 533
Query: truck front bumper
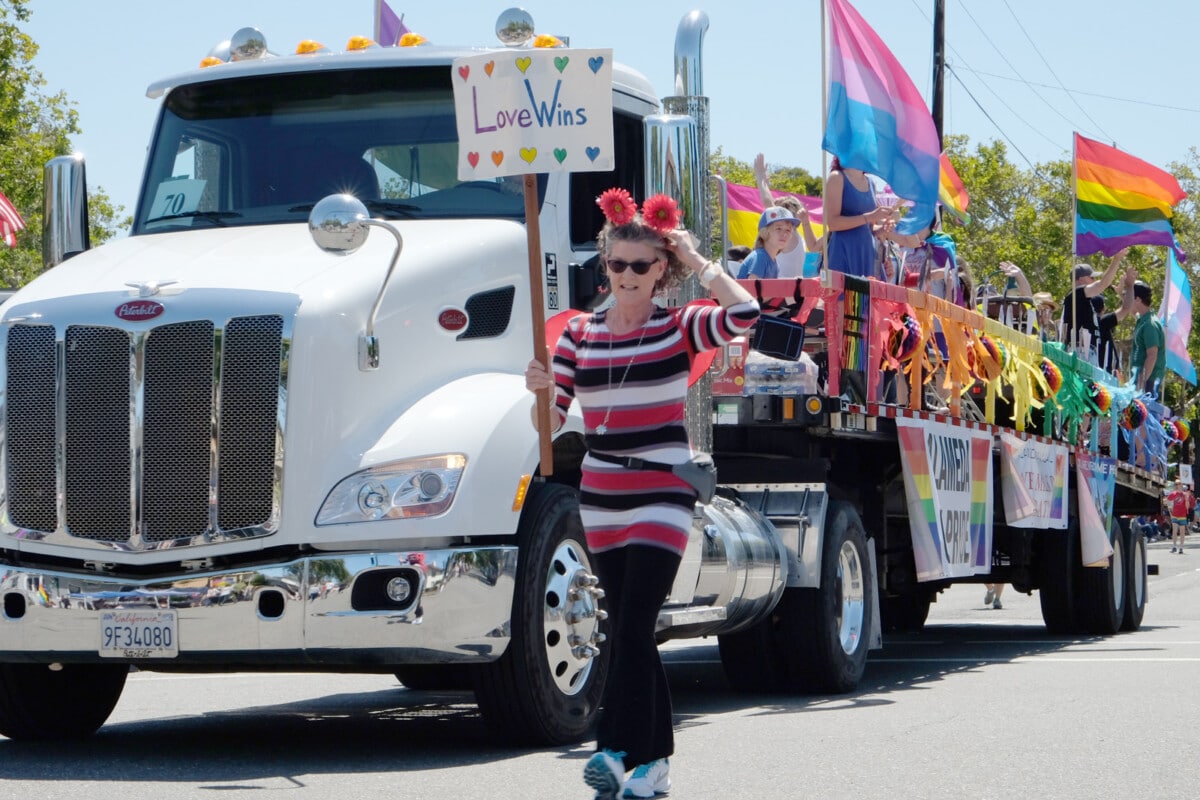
pixel 329 610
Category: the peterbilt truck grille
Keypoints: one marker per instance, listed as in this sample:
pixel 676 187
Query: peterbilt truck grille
pixel 165 435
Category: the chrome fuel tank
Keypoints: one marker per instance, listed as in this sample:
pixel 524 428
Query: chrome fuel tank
pixel 733 572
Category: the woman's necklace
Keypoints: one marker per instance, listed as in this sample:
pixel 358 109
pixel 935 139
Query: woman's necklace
pixel 602 428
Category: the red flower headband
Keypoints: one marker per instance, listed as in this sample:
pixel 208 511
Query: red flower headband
pixel 660 212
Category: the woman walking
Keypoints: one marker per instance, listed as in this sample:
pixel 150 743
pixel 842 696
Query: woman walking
pixel 628 367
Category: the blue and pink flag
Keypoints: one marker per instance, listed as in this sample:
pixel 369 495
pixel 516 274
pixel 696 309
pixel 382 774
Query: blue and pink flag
pixel 1176 316
pixel 388 27
pixel 877 120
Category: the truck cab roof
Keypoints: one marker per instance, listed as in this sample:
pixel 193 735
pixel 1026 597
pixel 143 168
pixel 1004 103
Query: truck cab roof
pixel 625 80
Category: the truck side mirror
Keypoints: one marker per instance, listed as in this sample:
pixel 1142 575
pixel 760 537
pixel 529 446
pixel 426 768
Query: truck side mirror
pixel 589 284
pixel 338 224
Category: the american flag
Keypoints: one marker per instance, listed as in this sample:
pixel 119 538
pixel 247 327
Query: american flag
pixel 10 221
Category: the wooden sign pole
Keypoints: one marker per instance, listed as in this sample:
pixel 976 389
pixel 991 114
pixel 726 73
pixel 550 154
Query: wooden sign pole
pixel 545 397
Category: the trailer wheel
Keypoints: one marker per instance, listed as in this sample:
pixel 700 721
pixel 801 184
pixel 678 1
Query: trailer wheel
pixel 1101 595
pixel 67 701
pixel 546 687
pixel 1058 556
pixel 1135 578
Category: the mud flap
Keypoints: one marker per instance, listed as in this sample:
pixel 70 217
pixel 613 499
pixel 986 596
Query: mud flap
pixel 875 635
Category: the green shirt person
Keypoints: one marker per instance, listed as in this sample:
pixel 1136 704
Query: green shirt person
pixel 1149 357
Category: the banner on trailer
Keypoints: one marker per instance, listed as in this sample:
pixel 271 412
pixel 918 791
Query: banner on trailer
pixel 1095 481
pixel 1033 482
pixel 528 111
pixel 948 484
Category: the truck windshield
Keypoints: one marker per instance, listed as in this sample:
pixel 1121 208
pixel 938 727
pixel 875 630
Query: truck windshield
pixel 264 149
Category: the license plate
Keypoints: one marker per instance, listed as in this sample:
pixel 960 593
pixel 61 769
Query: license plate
pixel 139 633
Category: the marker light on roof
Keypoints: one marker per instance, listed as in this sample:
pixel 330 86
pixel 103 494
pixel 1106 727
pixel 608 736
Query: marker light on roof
pixel 357 43
pixel 210 61
pixel 247 44
pixel 411 39
pixel 308 47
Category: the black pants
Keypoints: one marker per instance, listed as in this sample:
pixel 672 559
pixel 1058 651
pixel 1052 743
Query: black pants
pixel 636 708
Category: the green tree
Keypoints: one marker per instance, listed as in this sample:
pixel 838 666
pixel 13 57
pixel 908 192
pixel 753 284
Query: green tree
pixel 35 126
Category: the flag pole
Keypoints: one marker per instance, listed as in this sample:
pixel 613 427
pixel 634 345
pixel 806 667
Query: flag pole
pixel 378 19
pixel 1071 334
pixel 824 122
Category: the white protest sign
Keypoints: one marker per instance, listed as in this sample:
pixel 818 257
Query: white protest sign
pixel 528 111
pixel 1033 482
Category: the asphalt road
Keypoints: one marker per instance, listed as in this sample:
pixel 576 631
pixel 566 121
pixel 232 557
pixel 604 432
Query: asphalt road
pixel 982 704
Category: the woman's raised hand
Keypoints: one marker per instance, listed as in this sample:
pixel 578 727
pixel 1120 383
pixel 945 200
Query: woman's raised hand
pixel 536 375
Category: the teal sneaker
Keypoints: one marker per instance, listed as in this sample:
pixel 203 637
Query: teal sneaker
pixel 649 780
pixel 605 772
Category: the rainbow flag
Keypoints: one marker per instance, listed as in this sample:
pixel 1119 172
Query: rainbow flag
pixel 1176 316
pixel 951 192
pixel 876 120
pixel 1121 201
pixel 745 207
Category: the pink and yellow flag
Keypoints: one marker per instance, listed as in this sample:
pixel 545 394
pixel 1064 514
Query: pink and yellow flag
pixel 745 207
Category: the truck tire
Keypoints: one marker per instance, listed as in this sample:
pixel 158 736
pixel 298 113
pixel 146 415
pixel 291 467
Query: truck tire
pixel 905 613
pixel 814 640
pixel 545 689
pixel 1100 599
pixel 1058 559
pixel 834 620
pixel 70 701
pixel 1135 577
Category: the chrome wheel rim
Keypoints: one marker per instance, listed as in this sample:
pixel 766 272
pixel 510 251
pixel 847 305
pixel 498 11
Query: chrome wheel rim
pixel 1117 575
pixel 571 618
pixel 1139 574
pixel 852 591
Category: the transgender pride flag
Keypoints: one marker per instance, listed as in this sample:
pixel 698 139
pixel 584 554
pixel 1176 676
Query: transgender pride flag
pixel 1176 316
pixel 876 120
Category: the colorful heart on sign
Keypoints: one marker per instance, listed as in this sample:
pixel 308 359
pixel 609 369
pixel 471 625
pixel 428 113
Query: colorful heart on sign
pixel 528 154
pixel 595 63
pixel 463 72
pixel 523 63
pixel 497 157
pixel 592 152
pixel 473 159
pixel 560 62
pixel 560 154
pixel 488 67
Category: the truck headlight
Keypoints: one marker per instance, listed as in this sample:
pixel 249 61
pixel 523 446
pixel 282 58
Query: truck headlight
pixel 422 487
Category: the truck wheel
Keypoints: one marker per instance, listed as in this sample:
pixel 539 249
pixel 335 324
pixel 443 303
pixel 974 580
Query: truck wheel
pixel 546 687
pixel 1135 578
pixel 1058 557
pixel 435 677
pixel 1101 595
pixel 814 640
pixel 70 701
pixel 905 613
pixel 835 619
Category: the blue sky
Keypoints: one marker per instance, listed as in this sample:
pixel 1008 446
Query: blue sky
pixel 762 64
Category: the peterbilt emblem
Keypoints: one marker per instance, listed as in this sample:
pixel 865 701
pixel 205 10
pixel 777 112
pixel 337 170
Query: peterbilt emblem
pixel 453 319
pixel 139 310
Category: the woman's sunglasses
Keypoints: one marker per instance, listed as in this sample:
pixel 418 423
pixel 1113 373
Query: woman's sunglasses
pixel 616 266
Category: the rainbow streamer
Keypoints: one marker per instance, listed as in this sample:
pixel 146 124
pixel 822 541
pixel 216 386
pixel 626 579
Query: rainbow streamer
pixel 1121 201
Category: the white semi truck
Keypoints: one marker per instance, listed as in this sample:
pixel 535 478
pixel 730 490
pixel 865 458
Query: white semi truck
pixel 251 436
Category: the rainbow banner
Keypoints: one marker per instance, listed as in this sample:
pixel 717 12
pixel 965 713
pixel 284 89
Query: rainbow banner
pixel 1033 482
pixel 951 192
pixel 1121 201
pixel 876 120
pixel 745 207
pixel 1096 482
pixel 1176 317
pixel 947 483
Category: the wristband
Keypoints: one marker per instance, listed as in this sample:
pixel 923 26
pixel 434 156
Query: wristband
pixel 709 273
